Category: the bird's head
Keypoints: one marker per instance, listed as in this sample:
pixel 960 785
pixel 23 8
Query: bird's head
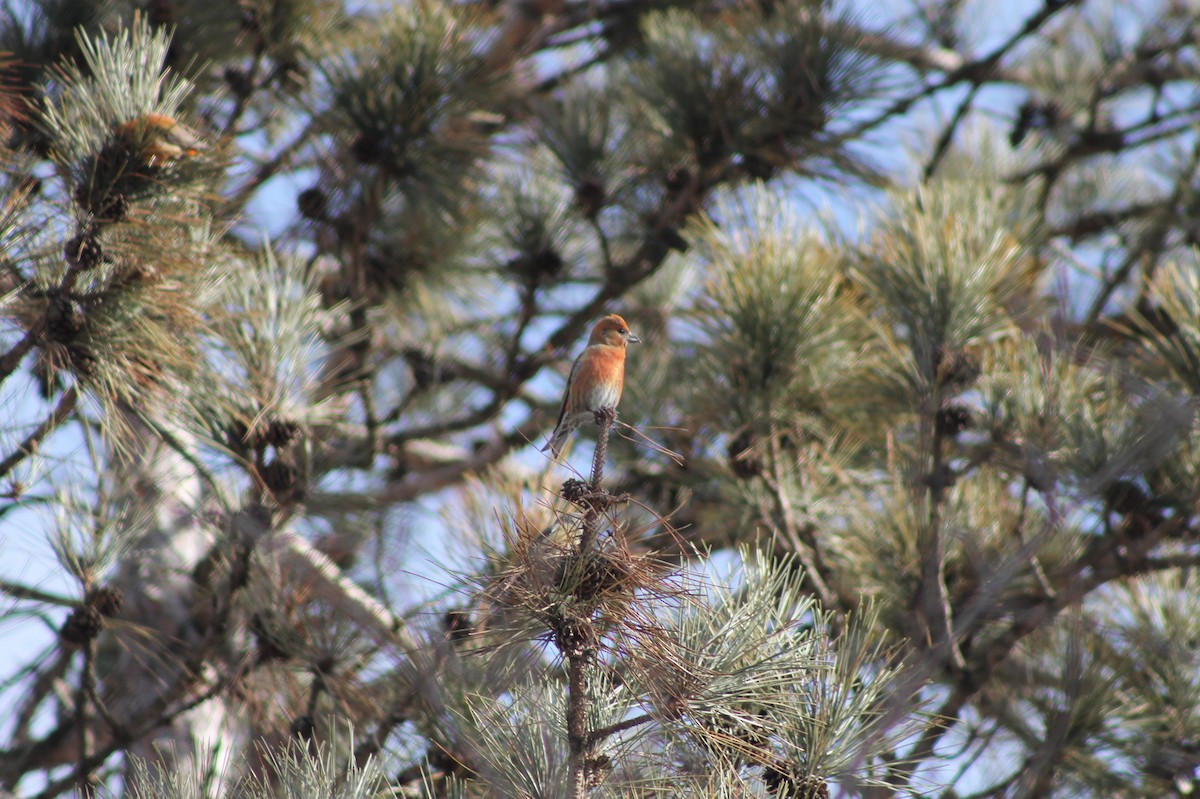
pixel 612 331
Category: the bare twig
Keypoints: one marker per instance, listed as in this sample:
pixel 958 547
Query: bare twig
pixel 947 136
pixel 18 591
pixel 53 665
pixel 579 741
pixel 1150 240
pixel 978 70
pixel 28 447
pixel 605 418
pixel 326 581
pixel 621 726
pixel 11 359
pixel 783 506
pixel 84 768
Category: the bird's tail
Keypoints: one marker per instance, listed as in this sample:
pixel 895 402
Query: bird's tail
pixel 557 439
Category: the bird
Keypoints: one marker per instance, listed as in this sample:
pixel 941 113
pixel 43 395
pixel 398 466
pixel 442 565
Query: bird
pixel 596 380
pixel 159 138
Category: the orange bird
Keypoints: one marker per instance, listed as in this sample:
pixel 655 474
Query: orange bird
pixel 596 380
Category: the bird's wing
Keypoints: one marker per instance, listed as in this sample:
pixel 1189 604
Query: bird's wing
pixel 562 412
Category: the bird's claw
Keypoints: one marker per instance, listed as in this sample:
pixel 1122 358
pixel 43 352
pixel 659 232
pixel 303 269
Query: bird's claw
pixel 605 416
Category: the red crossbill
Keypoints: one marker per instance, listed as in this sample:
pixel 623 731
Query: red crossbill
pixel 596 380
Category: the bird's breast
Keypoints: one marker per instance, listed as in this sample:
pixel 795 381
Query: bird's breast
pixel 600 377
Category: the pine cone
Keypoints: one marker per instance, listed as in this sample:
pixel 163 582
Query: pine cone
pixel 282 479
pixel 1126 497
pixel 83 252
pixel 281 432
pixel 458 626
pixel 422 366
pixel 84 624
pixel 107 600
pixel 953 418
pixel 743 459
pixel 367 148
pixel 956 369
pixel 303 728
pixel 238 82
pixel 269 647
pixel 605 576
pixel 787 785
pixel 64 319
pixel 676 178
pixel 590 196
pixel 539 265
pixel 312 203
pixel 574 490
pixel 102 203
pixel 574 636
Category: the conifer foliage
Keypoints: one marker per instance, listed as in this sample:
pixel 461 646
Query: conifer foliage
pixel 902 496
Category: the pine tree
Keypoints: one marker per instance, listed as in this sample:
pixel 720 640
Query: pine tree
pixel 900 499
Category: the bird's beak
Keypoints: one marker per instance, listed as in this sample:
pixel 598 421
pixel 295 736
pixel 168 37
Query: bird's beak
pixel 632 339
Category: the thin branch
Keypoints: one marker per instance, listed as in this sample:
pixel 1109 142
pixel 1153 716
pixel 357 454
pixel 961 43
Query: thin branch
pixel 326 581
pixel 947 136
pixel 89 686
pixel 1149 240
pixel 600 734
pixel 528 310
pixel 242 98
pixel 783 506
pixel 1098 566
pixel 28 447
pixel 430 480
pixel 578 739
pixel 605 417
pixel 1102 220
pixel 920 57
pixel 649 256
pixel 19 591
pixel 1170 562
pixel 242 196
pixel 923 668
pixel 43 683
pixel 84 769
pixel 605 248
pixel 10 360
pixel 157 721
pixel 980 69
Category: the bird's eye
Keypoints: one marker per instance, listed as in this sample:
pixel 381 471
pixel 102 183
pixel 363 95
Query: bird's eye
pixel 623 332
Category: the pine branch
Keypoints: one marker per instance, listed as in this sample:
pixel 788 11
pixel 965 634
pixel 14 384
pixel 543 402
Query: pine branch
pixel 18 591
pixel 603 733
pixel 326 581
pixel 579 738
pixel 1149 241
pixel 935 619
pixel 432 479
pixel 10 360
pixel 52 669
pixel 946 138
pixel 808 556
pixel 33 441
pixel 1092 570
pixel 976 71
pixel 605 417
pixel 84 769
